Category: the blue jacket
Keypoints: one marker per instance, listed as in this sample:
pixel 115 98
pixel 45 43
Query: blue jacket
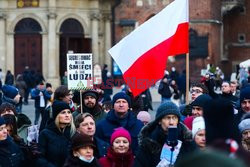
pixel 106 127
pixel 35 95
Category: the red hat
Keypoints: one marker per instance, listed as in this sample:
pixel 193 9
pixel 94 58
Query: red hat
pixel 120 132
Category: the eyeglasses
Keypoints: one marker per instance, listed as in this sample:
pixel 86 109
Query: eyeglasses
pixel 195 91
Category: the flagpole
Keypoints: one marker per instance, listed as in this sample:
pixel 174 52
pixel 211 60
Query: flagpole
pixel 187 78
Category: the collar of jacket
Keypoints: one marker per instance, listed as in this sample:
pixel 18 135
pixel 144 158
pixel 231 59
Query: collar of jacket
pixel 131 118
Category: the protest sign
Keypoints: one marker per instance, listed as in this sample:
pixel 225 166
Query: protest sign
pixel 80 71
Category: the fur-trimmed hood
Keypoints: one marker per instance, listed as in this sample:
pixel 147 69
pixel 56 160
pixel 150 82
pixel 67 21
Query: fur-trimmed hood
pixel 152 137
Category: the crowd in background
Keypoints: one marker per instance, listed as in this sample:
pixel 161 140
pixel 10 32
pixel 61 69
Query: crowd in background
pixel 105 130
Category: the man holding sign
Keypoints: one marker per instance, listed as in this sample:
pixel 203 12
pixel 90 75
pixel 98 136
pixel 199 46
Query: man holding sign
pixel 90 105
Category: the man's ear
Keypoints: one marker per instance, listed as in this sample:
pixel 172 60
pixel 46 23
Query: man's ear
pixel 75 153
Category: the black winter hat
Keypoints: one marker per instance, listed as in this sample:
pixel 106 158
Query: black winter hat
pixel 2 121
pixel 201 100
pixel 167 108
pixel 220 120
pixel 245 93
pixel 10 91
pixel 92 93
pixel 121 95
pixel 80 140
pixel 57 107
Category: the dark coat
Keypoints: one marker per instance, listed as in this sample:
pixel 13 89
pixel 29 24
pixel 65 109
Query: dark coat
pixel 76 162
pixel 151 141
pixel 105 127
pixel 9 79
pixel 10 154
pixel 164 90
pixel 147 100
pixel 46 118
pixel 117 160
pixel 101 147
pixel 54 146
pixel 96 112
pixel 136 102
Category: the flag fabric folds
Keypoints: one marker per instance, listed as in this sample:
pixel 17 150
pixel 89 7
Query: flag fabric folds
pixel 143 54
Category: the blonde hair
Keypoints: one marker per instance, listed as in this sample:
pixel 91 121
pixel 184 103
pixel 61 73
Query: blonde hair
pixel 71 124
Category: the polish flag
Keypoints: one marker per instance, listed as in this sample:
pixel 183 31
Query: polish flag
pixel 142 55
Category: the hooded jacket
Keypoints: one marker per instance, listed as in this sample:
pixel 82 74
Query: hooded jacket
pixel 105 127
pixel 117 160
pixel 151 140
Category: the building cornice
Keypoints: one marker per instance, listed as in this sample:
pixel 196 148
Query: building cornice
pixel 205 21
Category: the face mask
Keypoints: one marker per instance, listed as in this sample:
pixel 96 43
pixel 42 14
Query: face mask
pixel 85 160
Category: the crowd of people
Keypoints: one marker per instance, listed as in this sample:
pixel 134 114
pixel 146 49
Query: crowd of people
pixel 212 129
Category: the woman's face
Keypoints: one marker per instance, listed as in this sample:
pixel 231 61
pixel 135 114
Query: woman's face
pixel 121 145
pixel 87 152
pixel 3 132
pixel 200 138
pixel 65 116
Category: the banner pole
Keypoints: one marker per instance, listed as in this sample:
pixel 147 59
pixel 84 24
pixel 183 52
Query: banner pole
pixel 187 78
pixel 81 100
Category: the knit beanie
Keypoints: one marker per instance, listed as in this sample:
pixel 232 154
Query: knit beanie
pixel 92 93
pixel 201 100
pixel 57 107
pixel 10 91
pixel 121 95
pixel 167 108
pixel 245 93
pixel 2 121
pixel 144 116
pixel 120 132
pixel 198 124
pixel 80 140
pixel 245 123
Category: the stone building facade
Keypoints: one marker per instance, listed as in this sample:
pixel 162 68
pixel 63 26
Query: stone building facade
pixel 39 33
pixel 215 29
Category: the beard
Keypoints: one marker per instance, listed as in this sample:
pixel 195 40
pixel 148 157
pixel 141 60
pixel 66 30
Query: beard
pixel 90 104
pixel 247 141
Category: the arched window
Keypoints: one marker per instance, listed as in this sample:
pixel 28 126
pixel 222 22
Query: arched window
pixel 71 26
pixel 28 25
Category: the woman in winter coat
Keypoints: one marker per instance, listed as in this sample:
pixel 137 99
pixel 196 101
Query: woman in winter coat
pixel 10 154
pixel 119 153
pixel 54 141
pixel 82 152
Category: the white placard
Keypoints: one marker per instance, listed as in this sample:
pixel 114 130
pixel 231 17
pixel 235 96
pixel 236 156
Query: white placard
pixel 80 71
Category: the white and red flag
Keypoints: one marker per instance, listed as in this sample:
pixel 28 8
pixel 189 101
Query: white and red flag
pixel 143 54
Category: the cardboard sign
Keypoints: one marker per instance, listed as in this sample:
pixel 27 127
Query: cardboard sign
pixel 80 71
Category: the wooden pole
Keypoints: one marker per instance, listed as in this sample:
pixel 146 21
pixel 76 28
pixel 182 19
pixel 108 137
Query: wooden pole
pixel 187 78
pixel 81 100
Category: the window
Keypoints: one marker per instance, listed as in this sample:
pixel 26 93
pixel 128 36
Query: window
pixel 241 37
